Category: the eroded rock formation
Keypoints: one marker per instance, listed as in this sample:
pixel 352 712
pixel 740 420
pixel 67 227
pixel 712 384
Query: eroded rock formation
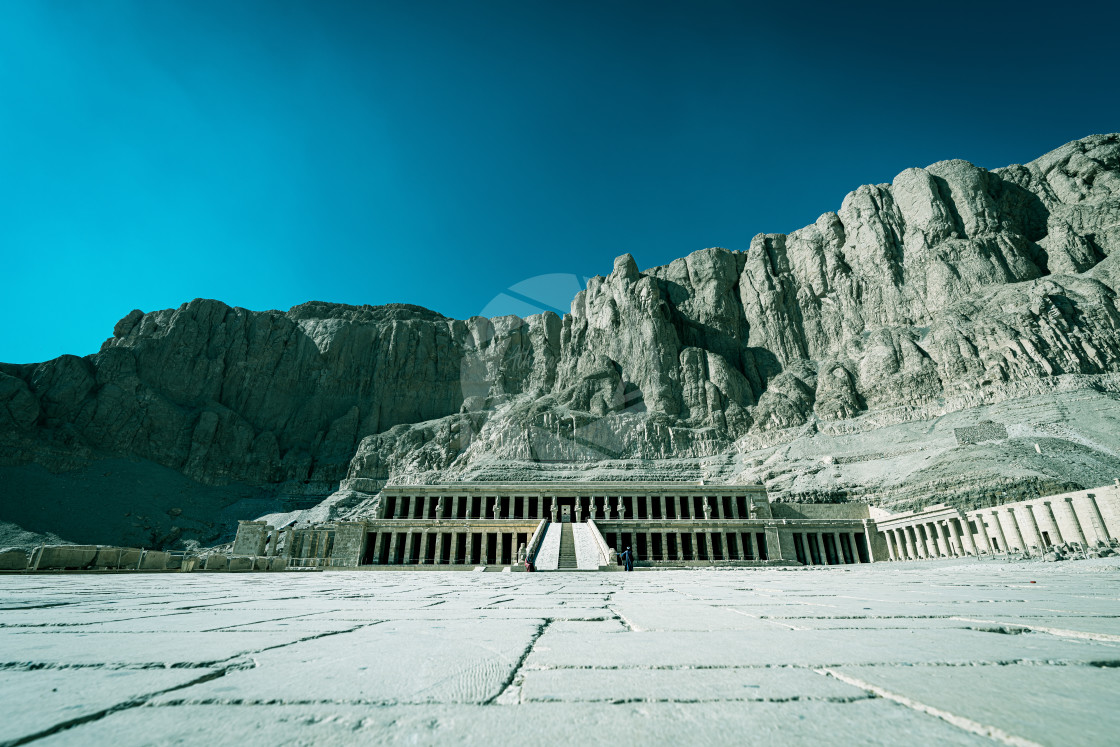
pixel 918 305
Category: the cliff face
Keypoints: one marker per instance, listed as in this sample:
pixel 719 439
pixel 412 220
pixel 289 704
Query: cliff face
pixel 951 296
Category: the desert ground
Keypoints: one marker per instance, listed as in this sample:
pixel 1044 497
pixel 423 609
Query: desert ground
pixel 934 652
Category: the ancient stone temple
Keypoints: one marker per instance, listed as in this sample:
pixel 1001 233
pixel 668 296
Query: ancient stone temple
pixel 586 526
pixel 579 526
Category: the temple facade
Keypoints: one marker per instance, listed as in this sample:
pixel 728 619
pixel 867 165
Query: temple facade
pixel 1082 519
pixel 577 526
pixel 586 526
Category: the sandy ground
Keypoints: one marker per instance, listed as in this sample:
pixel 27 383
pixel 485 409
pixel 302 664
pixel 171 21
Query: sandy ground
pixel 934 652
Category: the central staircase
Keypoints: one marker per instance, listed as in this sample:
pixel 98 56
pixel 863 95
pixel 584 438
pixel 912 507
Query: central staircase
pixel 567 549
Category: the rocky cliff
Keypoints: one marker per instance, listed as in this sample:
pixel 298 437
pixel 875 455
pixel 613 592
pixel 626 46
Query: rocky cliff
pixel 951 336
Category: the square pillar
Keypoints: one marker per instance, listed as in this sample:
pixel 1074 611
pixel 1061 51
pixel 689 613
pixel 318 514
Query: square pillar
pixel 999 532
pixel 943 539
pixel 911 545
pixel 1017 534
pixel 1068 501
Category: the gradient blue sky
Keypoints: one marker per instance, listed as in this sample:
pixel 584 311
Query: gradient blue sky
pixel 270 153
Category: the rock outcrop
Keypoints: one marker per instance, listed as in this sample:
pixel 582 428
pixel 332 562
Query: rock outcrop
pixel 921 305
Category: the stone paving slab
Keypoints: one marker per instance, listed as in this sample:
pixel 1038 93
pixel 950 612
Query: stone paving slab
pixel 947 653
pixel 1068 705
pixel 867 722
pixel 675 612
pixel 34 701
pixel 810 648
pixel 163 649
pixel 684 685
pixel 391 662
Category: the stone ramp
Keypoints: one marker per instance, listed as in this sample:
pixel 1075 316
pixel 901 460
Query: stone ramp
pixel 588 557
pixel 548 557
pixel 567 560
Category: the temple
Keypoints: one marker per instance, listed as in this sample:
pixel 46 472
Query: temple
pixel 584 526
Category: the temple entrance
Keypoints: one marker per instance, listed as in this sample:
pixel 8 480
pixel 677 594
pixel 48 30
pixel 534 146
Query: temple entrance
pixel 565 514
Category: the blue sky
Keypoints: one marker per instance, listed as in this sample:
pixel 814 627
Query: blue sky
pixel 437 153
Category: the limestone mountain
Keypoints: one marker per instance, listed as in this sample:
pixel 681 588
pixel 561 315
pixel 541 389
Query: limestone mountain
pixel 951 336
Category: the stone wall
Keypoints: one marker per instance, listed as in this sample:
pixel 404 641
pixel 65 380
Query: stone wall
pixel 983 431
pixel 826 511
pixel 349 541
pixel 252 538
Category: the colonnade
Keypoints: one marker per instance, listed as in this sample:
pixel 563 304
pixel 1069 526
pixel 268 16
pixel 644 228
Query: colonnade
pixel 830 547
pixel 309 543
pixel 1026 526
pixel 604 507
pixel 938 537
pixel 415 546
pixel 678 545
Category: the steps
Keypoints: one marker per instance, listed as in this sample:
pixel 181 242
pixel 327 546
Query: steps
pixel 567 549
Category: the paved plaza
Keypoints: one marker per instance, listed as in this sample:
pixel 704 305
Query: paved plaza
pixel 958 652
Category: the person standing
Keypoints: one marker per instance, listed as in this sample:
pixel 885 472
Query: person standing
pixel 628 559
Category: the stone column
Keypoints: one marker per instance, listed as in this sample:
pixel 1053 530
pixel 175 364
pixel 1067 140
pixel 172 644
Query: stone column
pixel 1076 521
pixel 890 545
pixel 984 532
pixel 408 539
pixel 680 547
pixel 920 552
pixel 931 539
pixel 943 539
pixel 1102 532
pixel 680 506
pixel 1054 523
pixel 954 538
pixel 805 546
pixel 1032 520
pixel 708 544
pixel 911 550
pixel 999 532
pixel 454 547
pixel 437 553
pixel 839 549
pixel 392 548
pixel 966 532
pixel 1031 535
pixel 662 506
pixel 423 546
pixel 375 553
pixel 1015 531
pixel 855 547
pixel 820 546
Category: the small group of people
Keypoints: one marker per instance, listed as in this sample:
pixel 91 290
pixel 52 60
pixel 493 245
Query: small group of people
pixel 627 559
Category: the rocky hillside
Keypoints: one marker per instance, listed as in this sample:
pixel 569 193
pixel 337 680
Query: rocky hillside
pixel 951 336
